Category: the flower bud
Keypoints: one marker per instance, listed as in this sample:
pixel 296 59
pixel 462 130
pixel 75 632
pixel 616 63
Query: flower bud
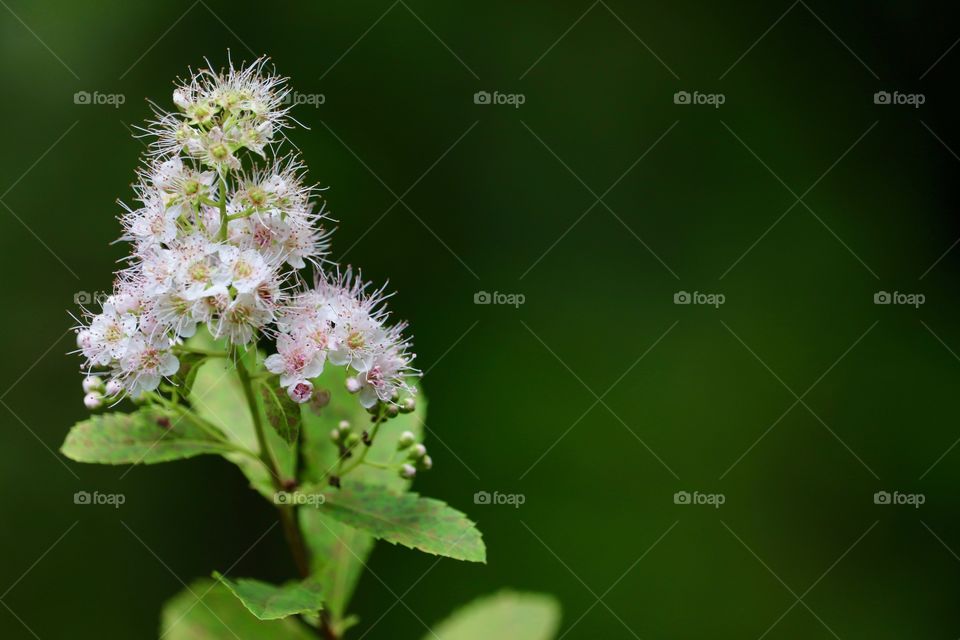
pixel 406 440
pixel 92 383
pixel 344 426
pixel 353 385
pixel 409 405
pixel 408 471
pixel 352 440
pixel 301 391
pixel 114 388
pixel 393 411
pixel 426 463
pixel 417 452
pixel 93 400
pixel 335 435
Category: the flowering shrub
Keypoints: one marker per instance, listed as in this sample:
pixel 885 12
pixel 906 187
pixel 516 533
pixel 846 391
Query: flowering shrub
pixel 228 263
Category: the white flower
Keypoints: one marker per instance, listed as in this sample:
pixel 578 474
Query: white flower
pixel 297 359
pixel 144 365
pixel 108 337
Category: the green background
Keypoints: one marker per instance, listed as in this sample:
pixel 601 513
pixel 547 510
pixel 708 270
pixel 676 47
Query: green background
pixel 514 391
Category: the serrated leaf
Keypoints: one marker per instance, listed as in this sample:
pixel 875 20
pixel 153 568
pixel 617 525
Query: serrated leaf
pixel 407 519
pixel 518 616
pixel 209 611
pixel 281 412
pixel 338 552
pixel 143 437
pixel 271 602
pixel 217 395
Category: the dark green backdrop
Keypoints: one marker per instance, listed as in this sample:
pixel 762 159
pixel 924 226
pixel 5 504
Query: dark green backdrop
pixel 598 399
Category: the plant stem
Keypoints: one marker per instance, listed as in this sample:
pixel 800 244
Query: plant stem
pixel 211 353
pixel 381 415
pixel 223 206
pixel 288 515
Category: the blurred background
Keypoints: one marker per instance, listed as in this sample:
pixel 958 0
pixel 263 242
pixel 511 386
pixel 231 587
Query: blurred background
pixel 780 184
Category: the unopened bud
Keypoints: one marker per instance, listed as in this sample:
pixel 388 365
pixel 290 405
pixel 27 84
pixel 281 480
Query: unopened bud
pixel 426 463
pixel 352 440
pixel 335 435
pixel 114 388
pixel 344 426
pixel 409 405
pixel 353 385
pixel 408 471
pixel 93 400
pixel 92 383
pixel 406 440
pixel 393 410
pixel 417 452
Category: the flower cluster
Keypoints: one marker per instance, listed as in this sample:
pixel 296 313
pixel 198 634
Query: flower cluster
pixel 221 226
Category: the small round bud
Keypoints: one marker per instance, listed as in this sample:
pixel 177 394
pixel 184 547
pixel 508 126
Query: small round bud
pixel 353 385
pixel 344 426
pixel 301 391
pixel 93 400
pixel 408 471
pixel 426 463
pixel 395 395
pixel 352 440
pixel 92 383
pixel 393 410
pixel 406 440
pixel 335 435
pixel 409 405
pixel 114 388
pixel 320 399
pixel 417 452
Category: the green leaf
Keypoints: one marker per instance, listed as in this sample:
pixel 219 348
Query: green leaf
pixel 270 602
pixel 518 616
pixel 146 436
pixel 281 412
pixel 217 395
pixel 407 519
pixel 207 610
pixel 338 552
